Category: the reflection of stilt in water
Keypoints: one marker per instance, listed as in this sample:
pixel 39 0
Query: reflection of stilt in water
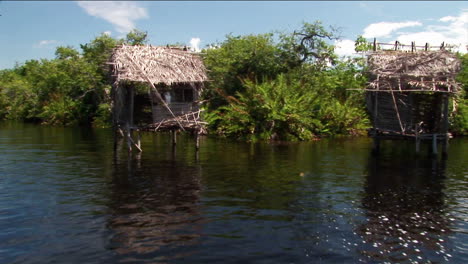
pixel 154 209
pixel 404 205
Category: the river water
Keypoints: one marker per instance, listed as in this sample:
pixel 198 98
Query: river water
pixel 67 197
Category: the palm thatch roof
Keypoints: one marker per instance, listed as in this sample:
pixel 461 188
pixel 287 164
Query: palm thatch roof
pixel 158 64
pixel 405 71
pixel 417 64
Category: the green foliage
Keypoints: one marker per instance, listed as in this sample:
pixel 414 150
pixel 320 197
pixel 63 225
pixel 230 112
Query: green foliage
pixel 17 97
pixel 98 52
pixel 295 89
pixel 71 89
pixel 60 111
pixel 311 44
pixel 267 110
pixel 287 108
pixel 136 37
pixel 281 87
pixel 237 58
pixel 459 118
pixel 68 52
pixel 103 115
pixel 361 44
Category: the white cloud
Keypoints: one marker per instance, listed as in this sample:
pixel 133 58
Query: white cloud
pixel 344 47
pixel 121 14
pixel 195 44
pixel 45 43
pixel 108 33
pixel 452 30
pixel 447 19
pixel 384 29
pixel 455 33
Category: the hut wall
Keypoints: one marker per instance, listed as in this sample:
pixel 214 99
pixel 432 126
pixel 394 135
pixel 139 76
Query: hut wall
pixel 386 115
pixel 183 101
pixel 123 104
pixel 427 110
pixel 160 112
pixel 413 108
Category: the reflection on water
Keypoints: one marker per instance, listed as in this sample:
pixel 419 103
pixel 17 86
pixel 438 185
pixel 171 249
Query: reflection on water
pixel 404 204
pixel 154 208
pixel 66 197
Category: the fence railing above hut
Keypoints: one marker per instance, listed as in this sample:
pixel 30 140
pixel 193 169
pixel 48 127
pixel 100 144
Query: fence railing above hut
pixel 412 47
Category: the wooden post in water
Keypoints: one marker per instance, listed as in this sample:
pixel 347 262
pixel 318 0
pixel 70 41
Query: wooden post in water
pixel 139 140
pixel 174 137
pixel 131 97
pixel 115 133
pixel 129 117
pixel 418 139
pixel 129 121
pixel 376 147
pixel 445 100
pixel 128 137
pixel 197 140
pixel 434 144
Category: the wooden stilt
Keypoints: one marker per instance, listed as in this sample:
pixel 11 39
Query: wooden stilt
pixel 418 144
pixel 131 101
pixel 376 147
pixel 174 137
pixel 434 144
pixel 445 125
pixel 445 144
pixel 115 139
pixel 197 141
pixel 418 139
pixel 129 139
pixel 174 151
pixel 138 139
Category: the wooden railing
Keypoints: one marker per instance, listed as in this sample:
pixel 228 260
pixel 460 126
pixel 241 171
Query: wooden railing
pixel 376 46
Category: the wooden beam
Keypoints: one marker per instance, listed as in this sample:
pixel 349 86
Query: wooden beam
pixel 397 112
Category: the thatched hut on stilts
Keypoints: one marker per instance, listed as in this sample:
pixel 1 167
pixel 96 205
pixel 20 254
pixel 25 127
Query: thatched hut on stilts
pixel 174 79
pixel 408 94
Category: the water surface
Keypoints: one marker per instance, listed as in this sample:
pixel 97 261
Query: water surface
pixel 67 197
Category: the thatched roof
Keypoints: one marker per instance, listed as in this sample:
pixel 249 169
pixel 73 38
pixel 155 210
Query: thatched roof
pixel 418 64
pixel 160 64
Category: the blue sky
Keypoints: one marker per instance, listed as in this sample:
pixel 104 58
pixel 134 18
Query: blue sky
pixel 33 29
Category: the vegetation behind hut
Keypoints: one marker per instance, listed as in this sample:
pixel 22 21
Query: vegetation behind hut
pixel 269 86
pixel 293 88
pixel 459 117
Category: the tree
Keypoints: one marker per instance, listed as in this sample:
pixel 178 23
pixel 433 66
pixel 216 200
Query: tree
pixel 136 37
pixel 253 57
pixel 99 50
pixel 459 119
pixel 361 44
pixel 310 45
pixel 67 52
